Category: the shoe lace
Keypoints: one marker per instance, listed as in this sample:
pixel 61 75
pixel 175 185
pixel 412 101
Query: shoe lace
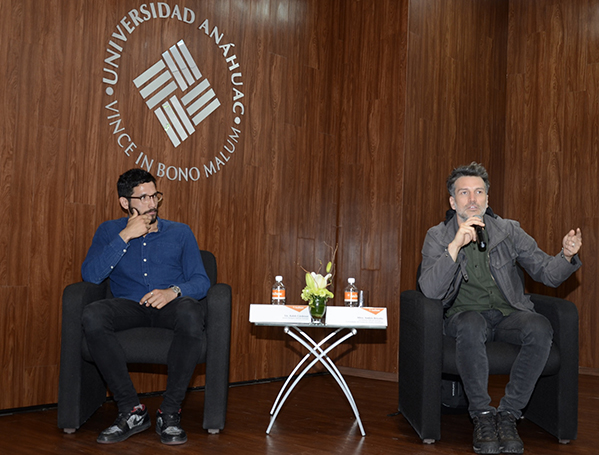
pixel 507 427
pixel 485 428
pixel 120 424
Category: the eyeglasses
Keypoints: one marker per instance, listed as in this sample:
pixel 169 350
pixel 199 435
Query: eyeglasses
pixel 145 199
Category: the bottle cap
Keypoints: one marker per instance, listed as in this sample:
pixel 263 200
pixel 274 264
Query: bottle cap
pixel 278 278
pixel 351 280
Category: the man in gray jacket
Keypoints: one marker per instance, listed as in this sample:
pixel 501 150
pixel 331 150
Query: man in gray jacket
pixel 470 263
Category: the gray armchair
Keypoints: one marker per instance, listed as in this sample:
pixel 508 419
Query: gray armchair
pixel 426 356
pixel 81 389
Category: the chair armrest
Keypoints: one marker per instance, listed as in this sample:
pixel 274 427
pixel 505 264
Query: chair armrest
pixel 218 314
pixel 563 316
pixel 420 362
pixel 74 298
pixel 71 410
pixel 421 327
pixel 218 336
pixel 554 402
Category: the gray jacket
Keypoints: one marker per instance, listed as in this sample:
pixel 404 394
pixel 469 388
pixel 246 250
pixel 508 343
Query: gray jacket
pixel 440 276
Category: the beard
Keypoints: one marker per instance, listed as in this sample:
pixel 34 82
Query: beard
pixel 464 213
pixel 152 212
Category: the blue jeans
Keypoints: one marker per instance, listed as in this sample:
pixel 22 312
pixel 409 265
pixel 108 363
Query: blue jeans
pixel 471 329
pixel 184 315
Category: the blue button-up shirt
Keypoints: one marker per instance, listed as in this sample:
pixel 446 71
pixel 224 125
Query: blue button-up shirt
pixel 159 260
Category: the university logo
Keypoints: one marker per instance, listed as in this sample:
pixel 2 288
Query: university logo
pixel 175 91
pixel 177 71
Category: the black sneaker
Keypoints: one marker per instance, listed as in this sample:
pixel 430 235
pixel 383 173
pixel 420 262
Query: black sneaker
pixel 509 441
pixel 125 425
pixel 169 428
pixel 485 438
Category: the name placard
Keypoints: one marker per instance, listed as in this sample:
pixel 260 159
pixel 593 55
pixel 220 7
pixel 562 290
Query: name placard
pixel 372 317
pixel 336 316
pixel 279 314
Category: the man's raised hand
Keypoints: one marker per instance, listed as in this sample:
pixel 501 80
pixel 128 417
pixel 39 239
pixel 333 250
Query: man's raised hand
pixel 571 243
pixel 137 226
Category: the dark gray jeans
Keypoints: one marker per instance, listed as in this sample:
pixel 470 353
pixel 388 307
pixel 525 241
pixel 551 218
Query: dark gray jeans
pixel 471 329
pixel 184 315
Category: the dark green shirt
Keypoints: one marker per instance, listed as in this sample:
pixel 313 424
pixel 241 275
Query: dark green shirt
pixel 480 292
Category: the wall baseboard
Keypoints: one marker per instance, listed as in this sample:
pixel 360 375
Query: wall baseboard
pixel 370 374
pixel 393 377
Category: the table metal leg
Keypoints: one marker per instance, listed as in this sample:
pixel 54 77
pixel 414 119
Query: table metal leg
pixel 334 370
pixel 321 356
pixel 297 367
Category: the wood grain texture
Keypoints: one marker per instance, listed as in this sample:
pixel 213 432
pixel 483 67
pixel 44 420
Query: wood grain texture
pixel 355 113
pixel 551 147
pixel 454 109
pixel 327 415
pixel 12 317
pixel 318 162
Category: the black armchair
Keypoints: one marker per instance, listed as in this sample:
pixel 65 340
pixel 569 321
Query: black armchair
pixel 426 355
pixel 81 389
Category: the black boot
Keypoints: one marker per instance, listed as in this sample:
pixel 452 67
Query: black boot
pixel 509 441
pixel 485 438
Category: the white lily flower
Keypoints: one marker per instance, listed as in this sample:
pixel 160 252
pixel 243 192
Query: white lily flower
pixel 321 281
pixel 317 285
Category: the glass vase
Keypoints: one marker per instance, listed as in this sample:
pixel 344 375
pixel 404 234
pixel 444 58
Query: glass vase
pixel 318 308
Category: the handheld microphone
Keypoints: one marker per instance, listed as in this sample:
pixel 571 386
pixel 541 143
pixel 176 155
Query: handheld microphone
pixel 480 238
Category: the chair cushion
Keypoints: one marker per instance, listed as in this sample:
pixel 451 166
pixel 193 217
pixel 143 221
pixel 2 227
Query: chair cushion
pixel 145 345
pixel 501 357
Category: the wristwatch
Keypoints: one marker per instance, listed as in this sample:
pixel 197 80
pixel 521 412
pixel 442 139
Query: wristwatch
pixel 176 290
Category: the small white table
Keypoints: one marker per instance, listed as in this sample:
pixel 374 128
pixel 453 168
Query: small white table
pixel 294 318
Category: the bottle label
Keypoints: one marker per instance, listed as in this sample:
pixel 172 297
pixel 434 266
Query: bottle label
pixel 351 296
pixel 279 294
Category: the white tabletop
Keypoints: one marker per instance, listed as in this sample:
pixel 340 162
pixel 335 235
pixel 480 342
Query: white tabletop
pixel 336 316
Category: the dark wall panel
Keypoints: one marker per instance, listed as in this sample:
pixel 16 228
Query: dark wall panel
pixel 355 112
pixel 318 161
pixel 455 104
pixel 552 147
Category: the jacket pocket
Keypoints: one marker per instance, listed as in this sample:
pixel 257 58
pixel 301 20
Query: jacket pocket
pixel 504 255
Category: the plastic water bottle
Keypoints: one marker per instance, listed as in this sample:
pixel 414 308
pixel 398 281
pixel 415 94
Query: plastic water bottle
pixel 278 291
pixel 351 293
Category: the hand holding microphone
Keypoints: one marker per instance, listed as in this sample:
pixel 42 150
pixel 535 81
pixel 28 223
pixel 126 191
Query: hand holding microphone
pixel 469 231
pixel 480 238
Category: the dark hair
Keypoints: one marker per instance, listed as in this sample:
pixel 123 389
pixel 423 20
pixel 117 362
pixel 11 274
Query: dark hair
pixel 132 178
pixel 472 170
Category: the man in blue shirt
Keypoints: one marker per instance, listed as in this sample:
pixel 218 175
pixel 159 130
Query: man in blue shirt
pixel 157 279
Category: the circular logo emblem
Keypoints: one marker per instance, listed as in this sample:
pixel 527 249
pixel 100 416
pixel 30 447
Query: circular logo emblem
pixel 173 86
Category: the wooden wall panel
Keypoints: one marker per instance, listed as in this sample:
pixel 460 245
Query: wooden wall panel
pixel 551 147
pixel 454 109
pixel 370 170
pixel 13 317
pixel 319 161
pixel 354 117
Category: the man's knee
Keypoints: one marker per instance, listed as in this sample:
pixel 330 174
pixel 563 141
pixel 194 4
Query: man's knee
pixel 190 316
pixel 94 317
pixel 470 326
pixel 540 329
